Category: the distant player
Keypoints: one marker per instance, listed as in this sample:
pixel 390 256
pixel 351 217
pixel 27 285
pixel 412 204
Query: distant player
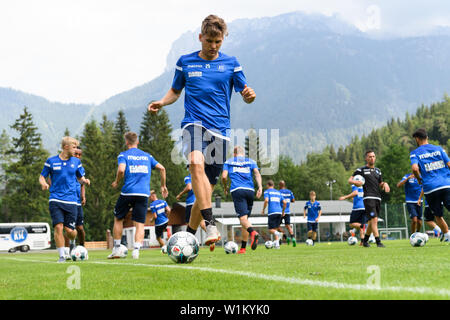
pixel 429 217
pixel 190 200
pixel 241 171
pixel 274 200
pixel 289 197
pixel 79 225
pixel 135 167
pixel 358 215
pixel 314 210
pixel 431 167
pixel 372 195
pixel 412 196
pixel 208 77
pixel 161 212
pixel 65 172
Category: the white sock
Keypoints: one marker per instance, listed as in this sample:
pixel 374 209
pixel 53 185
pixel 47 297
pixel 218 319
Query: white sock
pixel 137 245
pixel 437 229
pixel 61 251
pixel 116 243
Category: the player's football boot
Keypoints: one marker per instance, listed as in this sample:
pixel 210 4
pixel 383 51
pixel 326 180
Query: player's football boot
pixel 242 250
pixel 380 245
pixel 212 235
pixel 288 241
pixel 115 254
pixel 62 259
pixel 442 236
pixel 294 242
pixel 254 240
pixel 366 244
pixel 212 246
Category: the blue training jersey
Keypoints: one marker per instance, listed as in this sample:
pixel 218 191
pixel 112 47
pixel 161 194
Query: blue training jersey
pixel 159 207
pixel 139 165
pixel 64 176
pixel 274 196
pixel 412 189
pixel 432 161
pixel 289 197
pixel 240 170
pixel 191 196
pixel 208 88
pixel 313 210
pixel 358 200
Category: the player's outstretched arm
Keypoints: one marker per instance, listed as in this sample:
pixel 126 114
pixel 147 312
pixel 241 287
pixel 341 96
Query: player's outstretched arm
pixel 43 183
pixel 248 94
pixel 416 172
pixel 266 201
pixel 171 96
pixel 225 181
pixel 119 175
pixel 350 195
pixel 259 182
pixel 162 173
pixel 186 189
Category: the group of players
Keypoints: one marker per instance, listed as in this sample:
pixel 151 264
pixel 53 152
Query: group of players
pixel 208 78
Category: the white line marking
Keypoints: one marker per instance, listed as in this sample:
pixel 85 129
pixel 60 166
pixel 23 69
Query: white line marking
pixel 289 280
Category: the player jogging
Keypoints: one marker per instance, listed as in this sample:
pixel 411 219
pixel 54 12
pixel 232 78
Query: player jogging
pixel 190 200
pixel 135 167
pixel 289 197
pixel 314 213
pixel 241 171
pixel 161 212
pixel 274 200
pixel 65 172
pixel 431 167
pixel 357 217
pixel 372 195
pixel 412 197
pixel 208 77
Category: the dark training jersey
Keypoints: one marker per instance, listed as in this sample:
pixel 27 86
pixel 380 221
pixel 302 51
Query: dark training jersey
pixel 373 179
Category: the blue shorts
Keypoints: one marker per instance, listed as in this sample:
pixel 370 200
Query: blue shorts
pixel 159 230
pixel 358 216
pixel 274 221
pixel 414 210
pixel 213 148
pixel 312 226
pixel 80 217
pixel 286 219
pixel 243 201
pixel 437 199
pixel 63 213
pixel 139 205
pixel 188 213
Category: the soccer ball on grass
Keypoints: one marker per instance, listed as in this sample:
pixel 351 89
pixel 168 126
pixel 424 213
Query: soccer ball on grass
pixel 231 247
pixel 182 247
pixel 268 244
pixel 79 253
pixel 352 241
pixel 417 239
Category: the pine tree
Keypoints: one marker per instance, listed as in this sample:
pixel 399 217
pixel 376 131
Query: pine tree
pixel 24 198
pixel 120 128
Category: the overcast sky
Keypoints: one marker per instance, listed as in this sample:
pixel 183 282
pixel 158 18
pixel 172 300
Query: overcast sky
pixel 85 51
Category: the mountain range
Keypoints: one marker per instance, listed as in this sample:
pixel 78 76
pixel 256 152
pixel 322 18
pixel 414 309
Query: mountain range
pixel 318 80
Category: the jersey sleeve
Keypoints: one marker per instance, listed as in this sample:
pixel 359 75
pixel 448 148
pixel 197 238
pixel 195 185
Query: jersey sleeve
pixel 319 207
pixel 153 162
pixel 354 188
pixel 254 165
pixel 306 205
pixel 445 156
pixel 413 157
pixel 187 180
pixel 47 169
pixel 357 171
pixel 292 196
pixel 121 159
pixel 239 80
pixel 226 166
pixel 179 81
pixel 152 208
pixel 80 170
pixel 266 195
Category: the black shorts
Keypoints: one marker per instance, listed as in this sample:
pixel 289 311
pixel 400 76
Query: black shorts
pixel 214 149
pixel 188 213
pixel 64 213
pixel 372 208
pixel 80 217
pixel 312 226
pixel 358 216
pixel 139 205
pixel 159 230
pixel 286 219
pixel 243 201
pixel 274 221
pixel 437 200
pixel 428 215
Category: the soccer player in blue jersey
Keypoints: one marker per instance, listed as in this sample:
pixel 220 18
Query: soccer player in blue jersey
pixel 277 205
pixel 357 217
pixel 208 77
pixel 289 197
pixel 431 167
pixel 190 200
pixel 161 212
pixel 65 172
pixel 135 167
pixel 241 171
pixel 314 210
pixel 412 195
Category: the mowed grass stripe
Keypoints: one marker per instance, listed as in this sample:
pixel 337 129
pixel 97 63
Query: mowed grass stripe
pixel 289 280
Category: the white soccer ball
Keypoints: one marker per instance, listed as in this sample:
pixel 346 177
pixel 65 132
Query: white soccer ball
pixel 359 178
pixel 231 247
pixel 123 251
pixel 164 249
pixel 426 237
pixel 79 253
pixel 309 242
pixel 352 241
pixel 372 239
pixel 417 239
pixel 268 244
pixel 182 247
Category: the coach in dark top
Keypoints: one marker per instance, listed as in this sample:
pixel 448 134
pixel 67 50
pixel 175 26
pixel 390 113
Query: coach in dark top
pixel 372 195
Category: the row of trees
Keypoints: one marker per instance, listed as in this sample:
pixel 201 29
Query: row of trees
pixel 22 158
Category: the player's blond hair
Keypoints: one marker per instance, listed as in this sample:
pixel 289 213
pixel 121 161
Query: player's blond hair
pixel 238 150
pixel 131 137
pixel 214 26
pixel 67 141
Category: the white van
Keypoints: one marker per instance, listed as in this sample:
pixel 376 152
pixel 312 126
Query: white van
pixel 24 236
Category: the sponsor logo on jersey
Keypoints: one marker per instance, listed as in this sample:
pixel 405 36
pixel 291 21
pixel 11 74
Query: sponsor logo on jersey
pixel 194 74
pixel 436 165
pixel 137 158
pixel 139 169
pixel 429 154
pixel 194 66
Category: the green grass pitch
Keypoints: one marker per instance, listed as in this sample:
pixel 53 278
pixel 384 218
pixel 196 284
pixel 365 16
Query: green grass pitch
pixel 324 271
